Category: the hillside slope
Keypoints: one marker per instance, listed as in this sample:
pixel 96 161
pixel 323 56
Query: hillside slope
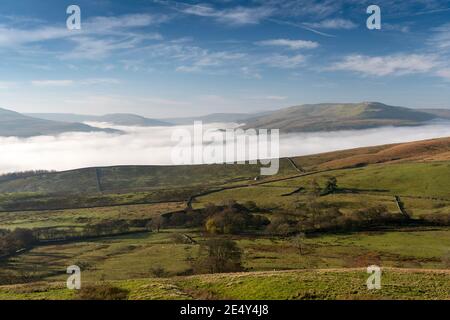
pixel 18 125
pixel 123 119
pixel 282 285
pixel 427 150
pixel 218 118
pixel 338 116
pixel 128 178
pixel 441 113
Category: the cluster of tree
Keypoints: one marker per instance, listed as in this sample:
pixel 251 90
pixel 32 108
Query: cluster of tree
pixel 218 256
pixel 438 219
pixel 320 218
pixel 331 186
pixel 102 228
pixel 233 218
pixel 229 218
pixel 108 227
pixel 13 241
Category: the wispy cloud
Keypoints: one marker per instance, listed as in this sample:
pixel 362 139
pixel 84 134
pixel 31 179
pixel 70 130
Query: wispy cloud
pixel 441 37
pixel 206 60
pixel 398 64
pixel 333 24
pixel 231 16
pixel 289 43
pixel 284 61
pixel 5 85
pixel 99 36
pixel 250 73
pixel 444 73
pixel 67 83
pixel 52 83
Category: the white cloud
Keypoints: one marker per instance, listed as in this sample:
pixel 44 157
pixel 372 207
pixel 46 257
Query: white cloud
pixel 387 65
pixel 5 85
pixel 441 38
pixel 232 16
pixel 98 37
pixel 278 98
pixel 444 73
pixel 165 102
pixel 283 61
pixel 67 82
pixel 12 37
pixel 199 59
pixel 333 24
pixel 291 44
pixel 52 83
pixel 102 24
pixel 96 25
pixel 250 73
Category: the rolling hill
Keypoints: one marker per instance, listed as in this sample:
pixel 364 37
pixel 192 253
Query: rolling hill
pixel 441 113
pixel 132 178
pixel 339 116
pixel 19 125
pixel 426 150
pixel 303 118
pixel 121 119
pixel 217 118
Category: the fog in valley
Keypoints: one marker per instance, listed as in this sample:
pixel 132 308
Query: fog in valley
pixel 154 145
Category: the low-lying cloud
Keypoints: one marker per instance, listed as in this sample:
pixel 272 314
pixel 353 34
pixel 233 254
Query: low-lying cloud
pixel 153 145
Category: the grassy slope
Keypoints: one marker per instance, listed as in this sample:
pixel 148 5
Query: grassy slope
pixel 126 178
pixel 338 116
pixel 83 217
pixel 317 284
pixel 418 179
pixel 426 150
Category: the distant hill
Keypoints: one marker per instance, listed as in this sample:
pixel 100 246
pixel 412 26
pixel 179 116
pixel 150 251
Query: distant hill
pixel 121 119
pixel 19 125
pixel 441 113
pixel 217 117
pixel 303 118
pixel 338 116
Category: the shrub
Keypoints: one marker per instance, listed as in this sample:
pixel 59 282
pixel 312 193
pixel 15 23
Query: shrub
pixel 283 226
pixel 102 292
pixel 217 256
pixel 158 272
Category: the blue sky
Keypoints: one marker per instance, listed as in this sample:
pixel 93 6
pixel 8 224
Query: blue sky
pixel 169 58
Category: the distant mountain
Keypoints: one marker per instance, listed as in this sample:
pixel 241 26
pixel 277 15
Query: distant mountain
pixel 217 117
pixel 440 113
pixel 121 119
pixel 339 116
pixel 19 125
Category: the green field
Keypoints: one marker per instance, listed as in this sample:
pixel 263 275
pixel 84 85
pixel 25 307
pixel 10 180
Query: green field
pixel 83 217
pixel 158 265
pixel 292 285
